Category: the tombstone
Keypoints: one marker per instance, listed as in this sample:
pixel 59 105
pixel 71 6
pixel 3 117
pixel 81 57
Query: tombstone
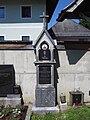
pixel 45 92
pixel 8 92
pixel 7 80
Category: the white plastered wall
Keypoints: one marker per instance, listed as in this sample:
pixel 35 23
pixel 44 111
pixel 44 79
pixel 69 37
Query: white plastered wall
pixel 74 73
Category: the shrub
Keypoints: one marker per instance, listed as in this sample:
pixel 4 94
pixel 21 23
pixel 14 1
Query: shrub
pixel 10 113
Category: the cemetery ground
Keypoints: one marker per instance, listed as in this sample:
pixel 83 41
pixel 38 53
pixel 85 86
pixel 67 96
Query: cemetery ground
pixel 74 113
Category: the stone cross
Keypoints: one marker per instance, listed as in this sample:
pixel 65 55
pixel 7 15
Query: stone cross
pixel 44 20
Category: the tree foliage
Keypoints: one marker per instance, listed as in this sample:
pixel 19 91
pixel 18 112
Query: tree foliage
pixel 85 23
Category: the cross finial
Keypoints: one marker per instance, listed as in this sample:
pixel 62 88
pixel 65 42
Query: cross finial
pixel 44 19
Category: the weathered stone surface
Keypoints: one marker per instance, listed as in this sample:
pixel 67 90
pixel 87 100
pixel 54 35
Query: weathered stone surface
pixel 45 97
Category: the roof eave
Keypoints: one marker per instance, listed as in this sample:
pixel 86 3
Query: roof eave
pixel 67 12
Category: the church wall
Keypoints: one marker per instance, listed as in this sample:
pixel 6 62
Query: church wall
pixel 23 61
pixel 74 72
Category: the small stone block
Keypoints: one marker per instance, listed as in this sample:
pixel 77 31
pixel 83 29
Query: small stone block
pixel 13 101
pixel 63 106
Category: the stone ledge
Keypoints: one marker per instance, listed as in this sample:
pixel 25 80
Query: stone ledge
pixel 43 110
pixel 10 101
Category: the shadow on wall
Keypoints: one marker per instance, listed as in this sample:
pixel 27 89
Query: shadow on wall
pixel 57 65
pixel 75 55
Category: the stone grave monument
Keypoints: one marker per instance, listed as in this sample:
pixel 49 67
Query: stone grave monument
pixel 45 92
pixel 7 86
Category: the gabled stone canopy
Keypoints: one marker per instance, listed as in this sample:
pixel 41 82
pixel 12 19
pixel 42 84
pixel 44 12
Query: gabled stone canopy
pixel 44 36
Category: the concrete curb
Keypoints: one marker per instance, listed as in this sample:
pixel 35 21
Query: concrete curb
pixel 29 111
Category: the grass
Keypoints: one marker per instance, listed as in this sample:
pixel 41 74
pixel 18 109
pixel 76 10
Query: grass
pixel 77 113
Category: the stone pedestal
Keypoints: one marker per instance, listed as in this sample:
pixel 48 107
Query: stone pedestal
pixel 63 106
pixel 45 101
pixel 45 97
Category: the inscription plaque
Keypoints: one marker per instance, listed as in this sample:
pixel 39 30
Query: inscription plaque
pixel 44 52
pixel 44 74
pixel 7 79
pixel 44 55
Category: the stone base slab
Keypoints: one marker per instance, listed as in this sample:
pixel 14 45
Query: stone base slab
pixel 10 101
pixel 44 110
